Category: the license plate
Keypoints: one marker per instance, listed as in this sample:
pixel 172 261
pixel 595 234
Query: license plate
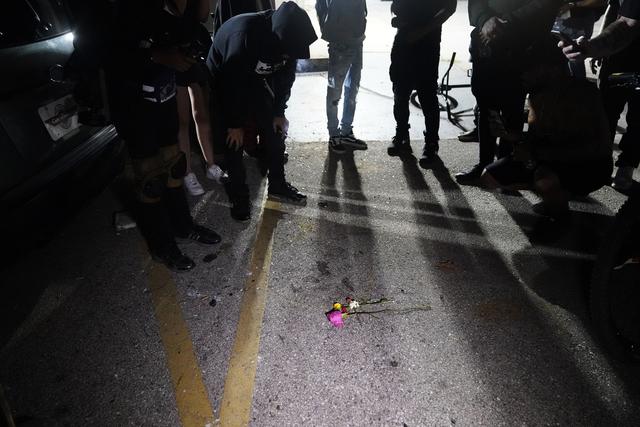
pixel 60 117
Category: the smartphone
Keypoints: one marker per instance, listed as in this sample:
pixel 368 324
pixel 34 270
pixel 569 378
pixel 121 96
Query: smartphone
pixel 563 37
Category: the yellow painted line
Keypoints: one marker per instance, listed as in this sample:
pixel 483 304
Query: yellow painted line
pixel 193 402
pixel 235 408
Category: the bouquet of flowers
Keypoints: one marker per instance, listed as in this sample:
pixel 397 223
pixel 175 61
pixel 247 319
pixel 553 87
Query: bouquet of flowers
pixel 340 312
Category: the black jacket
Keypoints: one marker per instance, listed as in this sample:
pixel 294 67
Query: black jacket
pixel 528 19
pixel 247 50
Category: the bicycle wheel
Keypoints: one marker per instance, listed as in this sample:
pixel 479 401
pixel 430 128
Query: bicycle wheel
pixel 615 286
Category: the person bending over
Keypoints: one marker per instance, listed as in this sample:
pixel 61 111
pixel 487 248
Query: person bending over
pixel 566 150
pixel 253 63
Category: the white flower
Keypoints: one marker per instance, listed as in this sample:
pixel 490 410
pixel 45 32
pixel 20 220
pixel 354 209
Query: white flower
pixel 353 305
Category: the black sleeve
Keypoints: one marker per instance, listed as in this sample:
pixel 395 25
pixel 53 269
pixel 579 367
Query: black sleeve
pixel 235 71
pixel 480 12
pixel 534 11
pixel 135 23
pixel 630 9
pixel 282 82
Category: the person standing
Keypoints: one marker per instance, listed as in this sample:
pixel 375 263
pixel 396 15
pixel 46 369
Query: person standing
pixel 343 24
pixel 253 64
pixel 415 56
pixel 192 93
pixel 141 76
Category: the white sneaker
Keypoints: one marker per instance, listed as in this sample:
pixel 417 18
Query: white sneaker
pixel 193 186
pixel 214 173
pixel 623 179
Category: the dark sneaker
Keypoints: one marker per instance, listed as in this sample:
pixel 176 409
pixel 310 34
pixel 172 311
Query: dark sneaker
pixel 241 210
pixel 556 213
pixel 352 142
pixel 470 177
pixel 399 146
pixel 469 136
pixel 335 145
pixel 287 193
pixel 429 154
pixel 202 235
pixel 173 259
pixel 285 157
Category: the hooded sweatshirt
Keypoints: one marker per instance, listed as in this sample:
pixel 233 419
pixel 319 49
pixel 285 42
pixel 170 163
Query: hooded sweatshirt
pixel 342 21
pixel 251 47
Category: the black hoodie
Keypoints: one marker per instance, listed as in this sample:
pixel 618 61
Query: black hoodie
pixel 254 46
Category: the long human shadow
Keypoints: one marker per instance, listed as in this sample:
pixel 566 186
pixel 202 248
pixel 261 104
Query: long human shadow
pixel 356 246
pixel 509 339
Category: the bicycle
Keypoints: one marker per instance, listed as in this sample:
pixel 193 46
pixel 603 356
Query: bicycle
pixel 614 300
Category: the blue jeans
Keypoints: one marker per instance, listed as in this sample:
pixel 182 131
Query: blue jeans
pixel 345 65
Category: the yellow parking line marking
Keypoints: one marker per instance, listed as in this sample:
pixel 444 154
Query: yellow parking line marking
pixel 235 408
pixel 194 407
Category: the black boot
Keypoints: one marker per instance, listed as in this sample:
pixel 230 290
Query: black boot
pixel 472 176
pixel 182 222
pixel 173 259
pixel 429 153
pixel 179 212
pixel 287 193
pixel 241 209
pixel 155 225
pixel 400 145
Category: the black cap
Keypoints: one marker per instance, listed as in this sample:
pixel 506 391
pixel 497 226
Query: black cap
pixel 294 30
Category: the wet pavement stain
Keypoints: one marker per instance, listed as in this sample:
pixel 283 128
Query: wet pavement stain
pixel 323 268
pixel 346 282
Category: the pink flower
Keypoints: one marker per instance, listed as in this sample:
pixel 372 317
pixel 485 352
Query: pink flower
pixel 335 317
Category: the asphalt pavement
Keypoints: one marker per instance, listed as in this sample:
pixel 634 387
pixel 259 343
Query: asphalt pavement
pixel 487 322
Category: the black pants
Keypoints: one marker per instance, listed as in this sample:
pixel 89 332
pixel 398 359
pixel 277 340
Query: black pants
pixel 261 107
pixel 614 102
pixel 414 66
pixel 497 85
pixel 147 129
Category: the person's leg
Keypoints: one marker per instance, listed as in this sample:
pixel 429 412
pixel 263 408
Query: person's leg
pixel 614 101
pixel 351 88
pixel 427 87
pixel 199 95
pixel 630 141
pixel 337 71
pixel 184 120
pixel 137 124
pixel 402 84
pixel 555 200
pixel 184 139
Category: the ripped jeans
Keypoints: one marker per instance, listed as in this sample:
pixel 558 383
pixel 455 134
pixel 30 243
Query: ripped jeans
pixel 345 65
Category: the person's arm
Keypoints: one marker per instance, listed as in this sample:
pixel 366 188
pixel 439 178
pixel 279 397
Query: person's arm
pixel 533 11
pixel 235 72
pixel 612 39
pixel 480 13
pixel 282 83
pixel 439 18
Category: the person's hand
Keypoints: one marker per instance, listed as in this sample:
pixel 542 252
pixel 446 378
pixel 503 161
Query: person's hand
pixel 235 138
pixel 577 51
pixel 172 58
pixel 492 29
pixel 281 125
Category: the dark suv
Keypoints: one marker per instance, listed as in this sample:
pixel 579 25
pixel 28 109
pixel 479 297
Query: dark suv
pixel 49 161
